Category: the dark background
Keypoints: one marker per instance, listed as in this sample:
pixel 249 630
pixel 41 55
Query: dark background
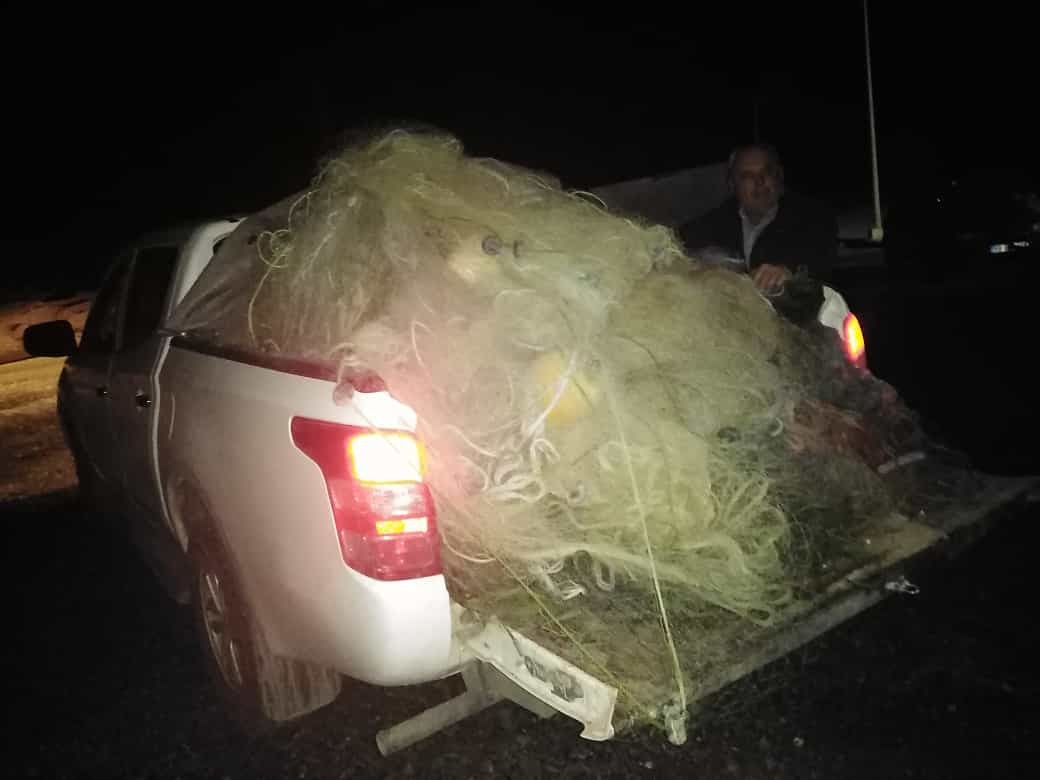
pixel 121 121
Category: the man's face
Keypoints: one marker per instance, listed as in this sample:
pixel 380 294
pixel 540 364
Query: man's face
pixel 757 182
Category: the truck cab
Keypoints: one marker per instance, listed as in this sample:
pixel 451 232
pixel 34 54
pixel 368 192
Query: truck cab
pixel 108 391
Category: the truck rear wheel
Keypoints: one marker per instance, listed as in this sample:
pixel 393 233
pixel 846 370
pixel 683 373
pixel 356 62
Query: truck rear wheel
pixel 226 632
pixel 259 688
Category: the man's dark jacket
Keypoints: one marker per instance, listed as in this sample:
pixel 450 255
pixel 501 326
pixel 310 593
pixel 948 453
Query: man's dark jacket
pixel 803 233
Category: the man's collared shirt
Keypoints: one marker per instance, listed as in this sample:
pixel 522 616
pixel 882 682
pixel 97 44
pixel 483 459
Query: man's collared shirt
pixel 753 231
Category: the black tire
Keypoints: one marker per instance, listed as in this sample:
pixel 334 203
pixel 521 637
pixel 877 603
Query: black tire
pixel 226 633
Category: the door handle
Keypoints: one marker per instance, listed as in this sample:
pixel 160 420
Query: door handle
pixel 102 391
pixel 143 400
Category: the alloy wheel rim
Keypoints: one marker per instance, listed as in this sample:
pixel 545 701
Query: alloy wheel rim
pixel 225 648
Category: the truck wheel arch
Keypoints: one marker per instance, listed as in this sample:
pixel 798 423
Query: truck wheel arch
pixel 278 689
pixel 186 507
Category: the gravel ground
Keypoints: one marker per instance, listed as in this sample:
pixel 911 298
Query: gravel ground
pixel 104 680
pixel 34 461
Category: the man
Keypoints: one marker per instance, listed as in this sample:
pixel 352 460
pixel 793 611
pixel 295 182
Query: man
pixel 772 233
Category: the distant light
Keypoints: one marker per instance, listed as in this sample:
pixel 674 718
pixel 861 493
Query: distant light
pixel 1022 244
pixel 999 249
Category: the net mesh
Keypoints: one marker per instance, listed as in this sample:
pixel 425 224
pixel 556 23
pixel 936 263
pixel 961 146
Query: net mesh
pixel 637 462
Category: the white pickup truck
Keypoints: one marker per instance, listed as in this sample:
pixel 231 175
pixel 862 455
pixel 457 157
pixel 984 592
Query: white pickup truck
pixel 336 571
pixel 306 556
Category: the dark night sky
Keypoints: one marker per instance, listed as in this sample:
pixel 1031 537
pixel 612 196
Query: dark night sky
pixel 123 121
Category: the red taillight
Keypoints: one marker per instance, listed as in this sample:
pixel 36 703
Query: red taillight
pixel 384 513
pixel 852 335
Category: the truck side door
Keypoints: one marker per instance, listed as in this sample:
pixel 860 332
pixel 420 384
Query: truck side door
pixel 85 385
pixel 134 392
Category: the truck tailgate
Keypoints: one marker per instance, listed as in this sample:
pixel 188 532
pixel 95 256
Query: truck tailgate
pixel 897 544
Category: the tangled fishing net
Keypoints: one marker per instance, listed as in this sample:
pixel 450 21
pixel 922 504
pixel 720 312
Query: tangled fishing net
pixel 632 453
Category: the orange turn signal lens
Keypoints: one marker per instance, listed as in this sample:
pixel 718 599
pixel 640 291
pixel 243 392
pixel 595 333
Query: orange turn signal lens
pixel 855 345
pixel 411 525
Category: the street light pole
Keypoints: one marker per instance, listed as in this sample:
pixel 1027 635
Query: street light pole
pixel 877 231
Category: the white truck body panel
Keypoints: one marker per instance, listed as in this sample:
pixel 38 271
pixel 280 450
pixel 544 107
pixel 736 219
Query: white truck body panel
pixel 161 418
pixel 225 427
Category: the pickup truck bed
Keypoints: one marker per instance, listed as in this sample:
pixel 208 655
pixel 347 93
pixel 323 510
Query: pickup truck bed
pixel 893 550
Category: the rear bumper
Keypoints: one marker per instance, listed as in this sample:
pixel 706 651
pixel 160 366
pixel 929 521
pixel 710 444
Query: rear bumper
pixel 382 633
pixel 403 633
